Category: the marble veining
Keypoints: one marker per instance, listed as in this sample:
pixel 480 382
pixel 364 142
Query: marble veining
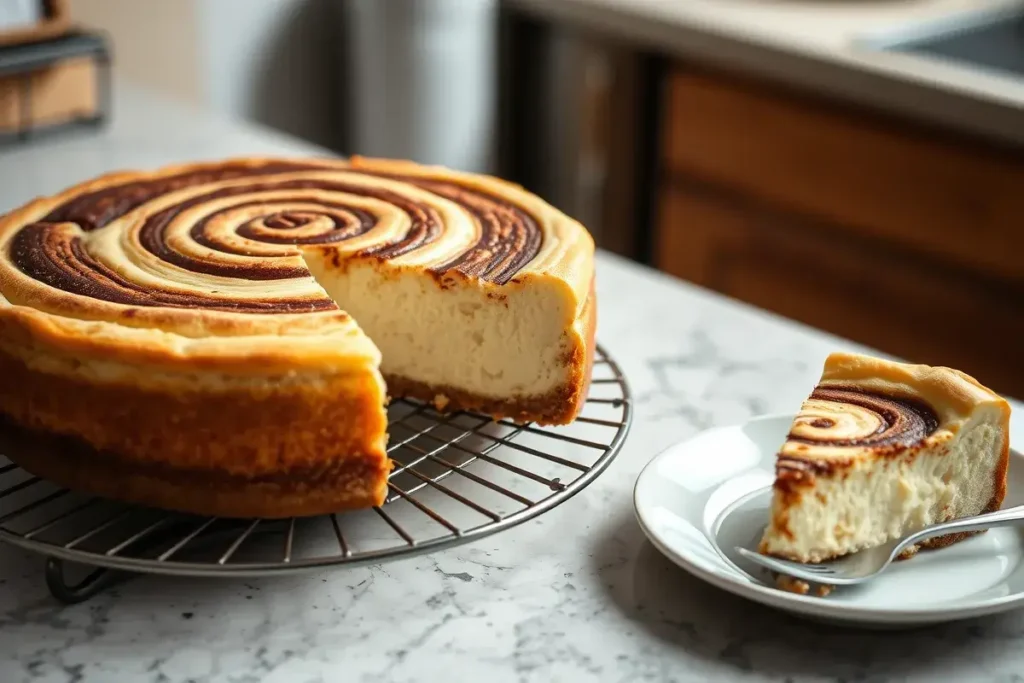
pixel 575 595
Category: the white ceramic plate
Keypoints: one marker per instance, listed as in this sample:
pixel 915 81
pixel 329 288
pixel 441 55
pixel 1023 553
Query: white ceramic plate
pixel 682 496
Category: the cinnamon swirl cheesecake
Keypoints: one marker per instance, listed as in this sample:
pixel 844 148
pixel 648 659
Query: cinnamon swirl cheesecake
pixel 223 336
pixel 880 449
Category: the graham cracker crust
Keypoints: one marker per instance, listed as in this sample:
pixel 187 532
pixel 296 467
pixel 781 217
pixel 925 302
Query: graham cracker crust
pixel 557 407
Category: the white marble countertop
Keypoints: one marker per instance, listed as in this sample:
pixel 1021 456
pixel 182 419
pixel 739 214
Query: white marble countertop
pixel 574 595
pixel 819 45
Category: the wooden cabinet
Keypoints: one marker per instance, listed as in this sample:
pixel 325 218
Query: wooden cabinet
pixel 906 240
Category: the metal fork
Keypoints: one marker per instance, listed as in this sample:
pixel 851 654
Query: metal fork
pixel 866 564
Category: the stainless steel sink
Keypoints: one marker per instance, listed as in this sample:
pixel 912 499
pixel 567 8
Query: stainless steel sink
pixel 993 41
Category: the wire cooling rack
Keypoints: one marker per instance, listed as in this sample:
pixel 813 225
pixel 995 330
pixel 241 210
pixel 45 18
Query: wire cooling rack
pixel 457 478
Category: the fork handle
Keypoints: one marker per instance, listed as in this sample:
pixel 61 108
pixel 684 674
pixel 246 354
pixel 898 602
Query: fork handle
pixel 990 520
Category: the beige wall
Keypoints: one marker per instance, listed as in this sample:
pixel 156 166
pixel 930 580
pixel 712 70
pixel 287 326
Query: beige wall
pixel 274 62
pixel 155 41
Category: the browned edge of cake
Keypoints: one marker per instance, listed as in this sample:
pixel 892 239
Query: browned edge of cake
pixel 352 484
pixel 276 452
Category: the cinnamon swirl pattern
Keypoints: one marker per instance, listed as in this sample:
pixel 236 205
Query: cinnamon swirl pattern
pixel 230 237
pixel 856 418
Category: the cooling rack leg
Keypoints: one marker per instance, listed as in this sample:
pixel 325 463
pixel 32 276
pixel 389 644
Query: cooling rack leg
pixel 94 582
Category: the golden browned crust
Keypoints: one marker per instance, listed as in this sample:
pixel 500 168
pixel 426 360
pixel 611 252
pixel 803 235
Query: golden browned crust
pixel 353 483
pixel 231 453
pixel 942 388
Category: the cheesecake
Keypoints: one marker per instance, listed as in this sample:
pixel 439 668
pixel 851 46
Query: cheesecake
pixel 222 338
pixel 881 449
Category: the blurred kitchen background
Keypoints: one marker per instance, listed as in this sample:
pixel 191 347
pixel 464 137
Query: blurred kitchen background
pixel 855 165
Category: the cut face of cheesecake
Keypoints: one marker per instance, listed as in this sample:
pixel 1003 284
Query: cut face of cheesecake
pixel 514 344
pixel 881 449
pixel 224 336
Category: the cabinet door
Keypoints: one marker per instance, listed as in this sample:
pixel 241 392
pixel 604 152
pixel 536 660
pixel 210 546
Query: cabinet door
pixel 957 200
pixel 902 304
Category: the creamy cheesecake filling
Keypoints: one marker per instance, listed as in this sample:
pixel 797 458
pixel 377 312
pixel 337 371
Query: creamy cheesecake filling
pixel 455 333
pixel 874 501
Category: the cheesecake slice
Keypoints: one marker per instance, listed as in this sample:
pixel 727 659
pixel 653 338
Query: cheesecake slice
pixel 881 449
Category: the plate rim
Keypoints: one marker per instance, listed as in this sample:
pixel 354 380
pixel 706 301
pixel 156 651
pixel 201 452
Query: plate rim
pixel 806 604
